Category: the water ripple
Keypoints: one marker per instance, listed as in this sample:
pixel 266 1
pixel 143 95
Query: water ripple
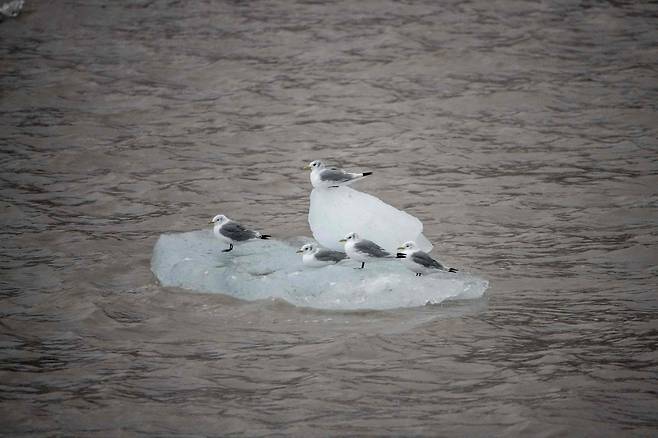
pixel 522 134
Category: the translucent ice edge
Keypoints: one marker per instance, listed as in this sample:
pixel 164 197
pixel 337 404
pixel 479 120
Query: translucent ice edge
pixel 263 269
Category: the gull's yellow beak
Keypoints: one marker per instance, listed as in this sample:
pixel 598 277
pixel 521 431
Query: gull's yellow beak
pixel 402 248
pixel 211 222
pixel 299 250
pixel 307 167
pixel 342 240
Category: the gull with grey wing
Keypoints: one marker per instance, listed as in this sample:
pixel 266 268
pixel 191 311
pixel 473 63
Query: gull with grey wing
pixel 364 250
pixel 331 177
pixel 231 232
pixel 315 257
pixel 419 261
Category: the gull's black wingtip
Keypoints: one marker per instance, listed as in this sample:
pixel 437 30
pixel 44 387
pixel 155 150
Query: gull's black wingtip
pixel 400 255
pixel 265 236
pixel 453 270
pixel 366 173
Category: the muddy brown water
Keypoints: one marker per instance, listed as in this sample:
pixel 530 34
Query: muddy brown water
pixel 523 135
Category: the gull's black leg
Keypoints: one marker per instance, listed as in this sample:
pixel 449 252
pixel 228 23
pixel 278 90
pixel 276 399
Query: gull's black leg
pixel 363 265
pixel 230 248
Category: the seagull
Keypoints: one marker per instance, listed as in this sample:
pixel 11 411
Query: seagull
pixel 231 232
pixel 419 261
pixel 316 257
pixel 323 176
pixel 363 250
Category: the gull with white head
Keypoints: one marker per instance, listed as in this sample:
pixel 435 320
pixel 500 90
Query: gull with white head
pixel 324 177
pixel 419 261
pixel 363 250
pixel 316 257
pixel 231 232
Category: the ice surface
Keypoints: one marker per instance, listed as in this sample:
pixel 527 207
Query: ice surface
pixel 262 269
pixel 338 211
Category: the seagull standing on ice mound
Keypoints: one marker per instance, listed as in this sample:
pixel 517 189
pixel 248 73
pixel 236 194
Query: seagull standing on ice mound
pixel 316 257
pixel 323 176
pixel 363 250
pixel 231 232
pixel 419 261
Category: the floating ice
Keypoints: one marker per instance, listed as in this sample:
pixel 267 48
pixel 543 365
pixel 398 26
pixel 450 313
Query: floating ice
pixel 338 211
pixel 11 9
pixel 262 269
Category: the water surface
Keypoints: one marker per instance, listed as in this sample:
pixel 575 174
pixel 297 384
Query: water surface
pixel 523 135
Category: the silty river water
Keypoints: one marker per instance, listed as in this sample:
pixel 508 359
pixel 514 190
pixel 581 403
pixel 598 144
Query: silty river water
pixel 522 134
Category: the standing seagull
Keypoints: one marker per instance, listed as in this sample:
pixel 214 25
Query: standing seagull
pixel 363 250
pixel 231 232
pixel 323 176
pixel 316 257
pixel 419 261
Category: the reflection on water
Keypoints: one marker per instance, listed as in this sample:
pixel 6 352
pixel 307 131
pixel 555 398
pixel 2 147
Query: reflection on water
pixel 522 134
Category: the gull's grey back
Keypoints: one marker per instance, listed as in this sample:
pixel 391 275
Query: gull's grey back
pixel 237 232
pixel 327 255
pixel 371 248
pixel 424 259
pixel 336 175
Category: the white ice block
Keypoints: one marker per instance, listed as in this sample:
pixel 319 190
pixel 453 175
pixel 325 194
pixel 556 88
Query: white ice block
pixel 263 269
pixel 335 212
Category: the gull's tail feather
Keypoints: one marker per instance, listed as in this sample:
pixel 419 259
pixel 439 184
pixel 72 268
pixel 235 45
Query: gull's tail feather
pixel 355 177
